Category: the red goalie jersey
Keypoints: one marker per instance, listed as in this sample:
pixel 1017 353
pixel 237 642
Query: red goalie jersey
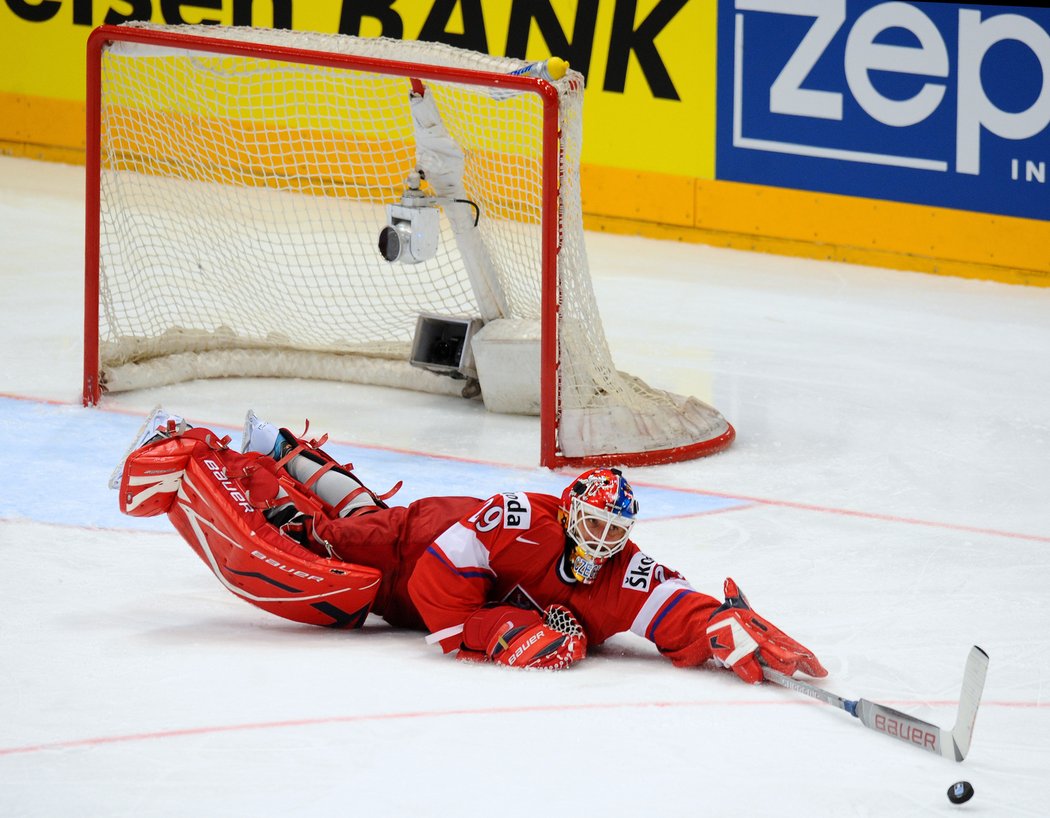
pixel 512 548
pixel 521 579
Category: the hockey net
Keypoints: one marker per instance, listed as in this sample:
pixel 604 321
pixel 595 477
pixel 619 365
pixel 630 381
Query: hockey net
pixel 238 179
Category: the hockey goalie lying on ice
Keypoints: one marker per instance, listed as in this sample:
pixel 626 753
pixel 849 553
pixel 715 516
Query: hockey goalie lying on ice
pixel 521 579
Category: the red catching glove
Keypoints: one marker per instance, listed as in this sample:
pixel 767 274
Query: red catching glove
pixel 739 638
pixel 517 637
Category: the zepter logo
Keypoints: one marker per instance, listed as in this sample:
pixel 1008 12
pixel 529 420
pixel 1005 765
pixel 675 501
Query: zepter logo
pixel 928 64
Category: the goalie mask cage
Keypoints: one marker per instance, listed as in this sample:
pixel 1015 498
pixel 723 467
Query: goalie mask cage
pixel 237 181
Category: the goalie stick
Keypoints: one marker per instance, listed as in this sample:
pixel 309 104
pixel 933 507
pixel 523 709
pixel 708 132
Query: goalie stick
pixel 950 744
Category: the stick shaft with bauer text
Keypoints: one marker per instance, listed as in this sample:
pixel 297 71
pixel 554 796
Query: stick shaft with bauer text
pixel 954 743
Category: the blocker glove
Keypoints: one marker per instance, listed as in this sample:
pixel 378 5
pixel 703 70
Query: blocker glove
pixel 742 640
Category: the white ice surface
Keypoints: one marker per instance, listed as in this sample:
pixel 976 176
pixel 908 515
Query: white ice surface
pixel 886 501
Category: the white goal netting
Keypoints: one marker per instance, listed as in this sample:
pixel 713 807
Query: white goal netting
pixel 240 199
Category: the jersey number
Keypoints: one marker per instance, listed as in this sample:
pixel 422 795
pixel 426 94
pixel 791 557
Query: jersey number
pixel 518 511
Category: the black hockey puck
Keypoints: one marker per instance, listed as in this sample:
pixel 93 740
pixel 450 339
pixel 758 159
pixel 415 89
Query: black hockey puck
pixel 960 792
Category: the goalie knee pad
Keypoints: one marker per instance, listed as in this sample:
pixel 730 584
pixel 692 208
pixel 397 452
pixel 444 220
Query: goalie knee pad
pixel 336 485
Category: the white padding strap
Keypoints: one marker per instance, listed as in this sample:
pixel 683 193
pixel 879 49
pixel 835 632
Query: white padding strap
pixel 442 635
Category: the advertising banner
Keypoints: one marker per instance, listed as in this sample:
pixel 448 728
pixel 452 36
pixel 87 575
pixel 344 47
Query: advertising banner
pixel 928 103
pixel 649 64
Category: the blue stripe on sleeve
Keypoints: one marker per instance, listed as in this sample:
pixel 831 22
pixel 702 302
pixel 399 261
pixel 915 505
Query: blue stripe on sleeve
pixel 651 633
pixel 461 572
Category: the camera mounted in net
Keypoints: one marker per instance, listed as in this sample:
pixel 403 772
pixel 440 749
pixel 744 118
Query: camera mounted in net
pixel 412 229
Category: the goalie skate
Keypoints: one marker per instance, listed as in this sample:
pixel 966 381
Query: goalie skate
pixel 260 436
pixel 157 424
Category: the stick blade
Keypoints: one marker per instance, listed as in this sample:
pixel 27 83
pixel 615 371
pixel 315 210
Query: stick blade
pixel 901 726
pixel 969 700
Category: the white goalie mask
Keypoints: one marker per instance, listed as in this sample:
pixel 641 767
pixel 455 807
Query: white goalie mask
pixel 599 511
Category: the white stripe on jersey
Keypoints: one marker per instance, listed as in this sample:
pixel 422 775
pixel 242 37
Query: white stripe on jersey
pixel 661 593
pixel 463 548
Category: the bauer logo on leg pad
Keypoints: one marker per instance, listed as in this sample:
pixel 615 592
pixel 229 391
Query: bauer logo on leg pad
pixel 218 471
pixel 295 572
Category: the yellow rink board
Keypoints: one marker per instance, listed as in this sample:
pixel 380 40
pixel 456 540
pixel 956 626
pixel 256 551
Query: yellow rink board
pixel 819 225
pixel 729 214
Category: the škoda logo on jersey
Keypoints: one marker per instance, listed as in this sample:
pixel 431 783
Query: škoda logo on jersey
pixel 930 102
pixel 642 572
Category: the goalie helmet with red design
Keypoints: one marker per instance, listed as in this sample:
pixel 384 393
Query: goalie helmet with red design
pixel 598 510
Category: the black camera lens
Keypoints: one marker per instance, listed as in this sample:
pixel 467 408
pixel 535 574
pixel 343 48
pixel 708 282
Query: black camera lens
pixel 390 243
pixel 446 350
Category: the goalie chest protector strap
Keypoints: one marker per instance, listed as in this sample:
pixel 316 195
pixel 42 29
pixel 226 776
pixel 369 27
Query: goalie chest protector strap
pixel 203 487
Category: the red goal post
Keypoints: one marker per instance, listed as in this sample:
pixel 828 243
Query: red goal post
pixel 238 179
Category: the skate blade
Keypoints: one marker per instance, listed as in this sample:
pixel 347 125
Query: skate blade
pixel 136 441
